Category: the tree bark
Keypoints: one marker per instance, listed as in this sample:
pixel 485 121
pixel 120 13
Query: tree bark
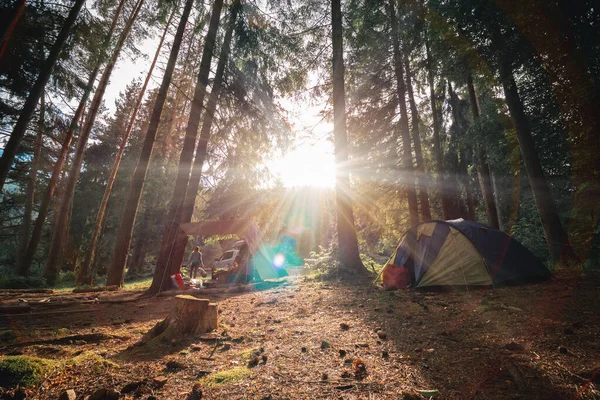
pixel 483 172
pixel 117 268
pixel 31 181
pixel 190 316
pixel 421 173
pixel 7 30
pixel 52 265
pixel 349 256
pixel 10 150
pixel 550 33
pixel 186 156
pixel 191 193
pixel 137 256
pixel 437 144
pixel 407 161
pixel 556 237
pixel 461 167
pixel 86 274
pixel 66 145
pixel 175 116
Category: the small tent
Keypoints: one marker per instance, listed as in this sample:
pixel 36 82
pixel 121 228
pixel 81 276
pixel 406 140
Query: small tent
pixel 463 253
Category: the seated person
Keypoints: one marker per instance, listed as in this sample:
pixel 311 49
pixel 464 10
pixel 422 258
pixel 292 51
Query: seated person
pixel 240 272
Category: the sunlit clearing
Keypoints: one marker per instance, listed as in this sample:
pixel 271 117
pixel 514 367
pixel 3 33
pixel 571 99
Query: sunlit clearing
pixel 279 260
pixel 306 165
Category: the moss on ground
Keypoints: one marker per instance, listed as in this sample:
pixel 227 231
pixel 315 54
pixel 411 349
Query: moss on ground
pixel 23 370
pixel 247 355
pixel 91 357
pixel 7 335
pixel 226 377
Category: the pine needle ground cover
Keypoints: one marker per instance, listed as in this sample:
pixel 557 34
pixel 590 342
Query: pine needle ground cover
pixel 320 340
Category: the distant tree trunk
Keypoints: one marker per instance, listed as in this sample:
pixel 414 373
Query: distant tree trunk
pixel 547 28
pixel 173 124
pixel 64 150
pixel 191 193
pixel 7 30
pixel 116 272
pixel 407 161
pixel 421 173
pixel 86 275
pixel 51 269
pixel 483 168
pixel 462 173
pixel 556 237
pixel 187 153
pixel 10 150
pixel 437 143
pixel 137 256
pixel 31 180
pixel 349 256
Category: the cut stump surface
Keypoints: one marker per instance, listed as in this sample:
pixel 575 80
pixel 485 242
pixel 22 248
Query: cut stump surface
pixel 190 316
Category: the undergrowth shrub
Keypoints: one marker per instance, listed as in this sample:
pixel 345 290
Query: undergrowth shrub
pixel 324 264
pixel 22 370
pixel 22 282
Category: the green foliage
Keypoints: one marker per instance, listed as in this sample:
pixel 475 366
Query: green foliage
pixel 22 282
pixel 22 370
pixel 323 264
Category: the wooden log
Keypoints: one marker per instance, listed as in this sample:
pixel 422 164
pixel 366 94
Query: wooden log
pixel 95 289
pixel 190 316
pixel 15 309
pixel 46 291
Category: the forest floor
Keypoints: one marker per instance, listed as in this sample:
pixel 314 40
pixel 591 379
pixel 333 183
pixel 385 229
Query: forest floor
pixel 302 339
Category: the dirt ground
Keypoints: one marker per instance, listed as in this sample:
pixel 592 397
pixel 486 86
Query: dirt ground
pixel 306 340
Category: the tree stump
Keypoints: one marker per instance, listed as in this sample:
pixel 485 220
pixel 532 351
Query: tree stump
pixel 190 316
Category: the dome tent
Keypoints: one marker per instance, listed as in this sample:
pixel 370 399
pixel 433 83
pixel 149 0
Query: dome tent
pixel 464 253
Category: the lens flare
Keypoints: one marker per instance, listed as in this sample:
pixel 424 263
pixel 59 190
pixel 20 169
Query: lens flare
pixel 279 260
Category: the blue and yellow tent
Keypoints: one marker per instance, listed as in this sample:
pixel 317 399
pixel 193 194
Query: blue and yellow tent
pixel 464 253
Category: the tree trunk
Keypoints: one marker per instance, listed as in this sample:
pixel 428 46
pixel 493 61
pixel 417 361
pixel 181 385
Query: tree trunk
pixel 483 168
pixel 10 150
pixel 407 161
pixel 51 269
pixel 66 145
pixel 137 256
pixel 191 193
pixel 86 275
pixel 550 33
pixel 421 173
pixel 190 316
pixel 556 237
pixel 186 156
pixel 461 167
pixel 117 268
pixel 31 180
pixel 174 122
pixel 349 256
pixel 7 30
pixel 437 144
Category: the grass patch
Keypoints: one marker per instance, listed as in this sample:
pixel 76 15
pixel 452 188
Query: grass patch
pixel 247 355
pixel 226 377
pixel 7 335
pixel 140 283
pixel 96 360
pixel 23 370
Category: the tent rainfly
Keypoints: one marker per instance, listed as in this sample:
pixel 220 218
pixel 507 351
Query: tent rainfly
pixel 462 253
